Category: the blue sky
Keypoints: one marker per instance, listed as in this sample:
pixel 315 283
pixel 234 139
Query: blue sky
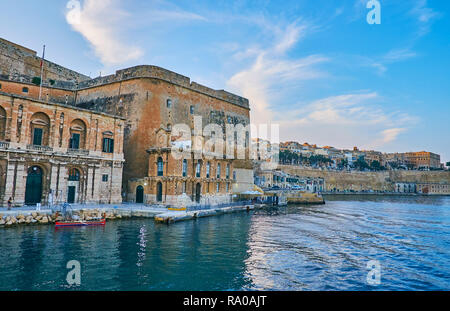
pixel 316 68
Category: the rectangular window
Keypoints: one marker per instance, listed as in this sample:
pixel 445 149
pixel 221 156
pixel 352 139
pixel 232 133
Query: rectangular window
pixel 75 141
pixel 218 170
pixel 105 178
pixel 184 168
pixel 208 169
pixel 198 169
pixel 108 145
pixel 37 137
pixel 192 109
pixel 218 187
pixel 228 171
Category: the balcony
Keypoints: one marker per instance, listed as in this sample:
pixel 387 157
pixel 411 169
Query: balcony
pixel 4 145
pixel 78 151
pixel 39 148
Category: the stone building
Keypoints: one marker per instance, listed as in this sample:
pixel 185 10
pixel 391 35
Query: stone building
pixel 402 187
pixel 22 64
pixel 423 159
pixel 152 101
pixel 433 188
pixel 56 153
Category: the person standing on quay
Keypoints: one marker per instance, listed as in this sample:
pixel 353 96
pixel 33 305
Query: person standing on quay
pixel 10 203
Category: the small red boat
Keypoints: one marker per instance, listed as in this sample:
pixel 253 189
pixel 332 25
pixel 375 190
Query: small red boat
pixel 101 222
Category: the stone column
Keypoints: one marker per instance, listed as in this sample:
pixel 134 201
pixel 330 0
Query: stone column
pixel 97 184
pixel 21 182
pixel 9 184
pixel 89 196
pixel 62 188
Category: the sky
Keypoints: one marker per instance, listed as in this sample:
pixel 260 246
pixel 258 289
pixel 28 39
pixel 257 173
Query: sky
pixel 317 68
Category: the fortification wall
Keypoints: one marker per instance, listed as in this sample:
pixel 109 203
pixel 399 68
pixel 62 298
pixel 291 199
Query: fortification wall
pixel 147 71
pixel 382 181
pixel 18 63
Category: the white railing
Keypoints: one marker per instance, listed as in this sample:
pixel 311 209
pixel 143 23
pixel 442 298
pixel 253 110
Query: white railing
pixel 77 151
pixel 39 148
pixel 4 145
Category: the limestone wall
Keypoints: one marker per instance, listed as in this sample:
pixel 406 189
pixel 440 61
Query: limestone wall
pixel 383 181
pixel 18 63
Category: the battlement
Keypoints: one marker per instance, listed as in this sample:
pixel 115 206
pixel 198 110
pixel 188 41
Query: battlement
pixel 154 72
pixel 21 64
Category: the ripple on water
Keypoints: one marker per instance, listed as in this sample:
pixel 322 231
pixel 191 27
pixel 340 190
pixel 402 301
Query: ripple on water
pixel 324 247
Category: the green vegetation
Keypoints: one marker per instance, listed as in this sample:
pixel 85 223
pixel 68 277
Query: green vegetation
pixel 36 81
pixel 361 164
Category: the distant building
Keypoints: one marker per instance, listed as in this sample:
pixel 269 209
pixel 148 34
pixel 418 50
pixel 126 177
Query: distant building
pixel 53 153
pixel 371 156
pixel 405 187
pixel 423 159
pixel 433 188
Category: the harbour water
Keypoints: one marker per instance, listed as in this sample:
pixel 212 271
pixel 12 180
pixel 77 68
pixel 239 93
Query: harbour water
pixel 323 247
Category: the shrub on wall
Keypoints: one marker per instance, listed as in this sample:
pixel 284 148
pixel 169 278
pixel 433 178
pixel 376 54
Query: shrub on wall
pixel 36 81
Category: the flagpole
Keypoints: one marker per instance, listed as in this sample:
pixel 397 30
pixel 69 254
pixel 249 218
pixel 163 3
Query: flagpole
pixel 42 73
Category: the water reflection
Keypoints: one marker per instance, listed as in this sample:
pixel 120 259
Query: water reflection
pixel 322 247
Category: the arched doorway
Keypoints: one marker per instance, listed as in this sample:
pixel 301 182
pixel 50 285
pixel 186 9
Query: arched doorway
pixel 159 192
pixel 140 194
pixel 33 190
pixel 73 185
pixel 198 192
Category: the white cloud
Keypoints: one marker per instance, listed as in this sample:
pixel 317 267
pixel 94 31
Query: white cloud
pixel 105 25
pixel 345 120
pixel 391 134
pixel 424 15
pixel 271 72
pixel 102 24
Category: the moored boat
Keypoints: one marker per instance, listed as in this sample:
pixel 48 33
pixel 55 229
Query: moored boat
pixel 72 223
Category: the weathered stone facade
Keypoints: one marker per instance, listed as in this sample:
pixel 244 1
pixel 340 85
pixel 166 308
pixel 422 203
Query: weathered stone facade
pixel 141 95
pixel 52 152
pixel 152 100
pixel 18 63
pixel 364 181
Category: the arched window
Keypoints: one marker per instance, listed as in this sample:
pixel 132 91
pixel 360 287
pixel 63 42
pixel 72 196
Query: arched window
pixel 2 123
pixel 77 134
pixel 198 169
pixel 160 167
pixel 25 90
pixel 184 168
pixel 218 170
pixel 208 169
pixel 74 174
pixel 40 129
